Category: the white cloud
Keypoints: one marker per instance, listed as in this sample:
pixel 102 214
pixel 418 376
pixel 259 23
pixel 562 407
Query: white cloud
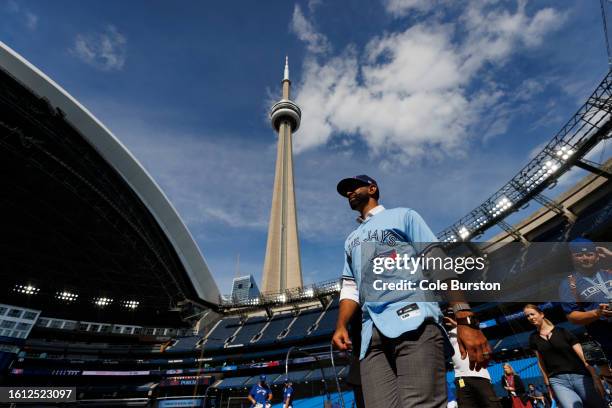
pixel 23 16
pixel 315 42
pixel 400 8
pixel 105 51
pixel 31 21
pixel 406 94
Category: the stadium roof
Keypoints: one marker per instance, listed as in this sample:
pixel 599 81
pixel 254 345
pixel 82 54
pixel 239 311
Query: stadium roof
pixel 81 214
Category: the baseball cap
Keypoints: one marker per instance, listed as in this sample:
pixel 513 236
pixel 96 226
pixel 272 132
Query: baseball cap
pixel 262 377
pixel 581 245
pixel 351 183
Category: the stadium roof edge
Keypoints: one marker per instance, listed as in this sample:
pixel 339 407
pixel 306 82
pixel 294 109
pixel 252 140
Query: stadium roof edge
pixel 120 158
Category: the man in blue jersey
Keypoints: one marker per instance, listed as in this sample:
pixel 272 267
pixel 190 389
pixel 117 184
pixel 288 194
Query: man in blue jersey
pixel 288 395
pixel 588 292
pixel 402 343
pixel 260 394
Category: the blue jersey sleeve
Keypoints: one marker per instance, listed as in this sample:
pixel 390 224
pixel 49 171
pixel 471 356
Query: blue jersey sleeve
pixel 347 270
pixel 253 391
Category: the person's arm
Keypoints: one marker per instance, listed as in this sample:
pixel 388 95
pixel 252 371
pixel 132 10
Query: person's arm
pixel 544 374
pixel 341 338
pixel 250 398
pixel 583 318
pixel 597 382
pixel 349 304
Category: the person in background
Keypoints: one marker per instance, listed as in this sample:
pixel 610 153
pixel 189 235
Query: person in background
pixel 536 397
pixel 260 394
pixel 513 384
pixel 288 394
pixel 587 295
pixel 573 381
pixel 474 388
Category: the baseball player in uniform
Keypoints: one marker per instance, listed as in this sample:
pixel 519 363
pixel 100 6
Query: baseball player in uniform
pixel 260 394
pixel 288 395
pixel 402 358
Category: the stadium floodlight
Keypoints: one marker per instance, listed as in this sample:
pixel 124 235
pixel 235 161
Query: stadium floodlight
pixel 102 301
pixel 564 152
pixel 451 238
pixel 252 301
pixel 67 296
pixel 282 298
pixel 502 205
pixel 309 292
pixel 26 289
pixel 464 233
pixel 130 304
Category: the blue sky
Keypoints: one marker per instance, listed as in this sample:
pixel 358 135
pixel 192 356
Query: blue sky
pixel 442 102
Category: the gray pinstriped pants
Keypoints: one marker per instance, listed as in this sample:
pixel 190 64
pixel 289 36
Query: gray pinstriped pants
pixel 406 372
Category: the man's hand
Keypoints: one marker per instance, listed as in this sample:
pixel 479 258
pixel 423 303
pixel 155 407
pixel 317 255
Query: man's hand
pixel 603 311
pixel 603 252
pixel 474 344
pixel 341 339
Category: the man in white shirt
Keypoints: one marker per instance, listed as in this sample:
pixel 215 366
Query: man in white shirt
pixel 474 389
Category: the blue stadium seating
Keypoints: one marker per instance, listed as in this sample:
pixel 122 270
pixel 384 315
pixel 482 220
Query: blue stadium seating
pixel 217 337
pixel 249 329
pixel 327 325
pixel 299 330
pixel 294 376
pixel 232 382
pixel 184 344
pixel 278 323
pixel 526 368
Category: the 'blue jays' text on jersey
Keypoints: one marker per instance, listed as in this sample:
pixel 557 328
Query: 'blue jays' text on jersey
pixel 388 227
pixel 589 292
pixel 260 394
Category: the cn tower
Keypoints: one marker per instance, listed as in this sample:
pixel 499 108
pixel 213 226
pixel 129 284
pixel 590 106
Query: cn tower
pixel 282 265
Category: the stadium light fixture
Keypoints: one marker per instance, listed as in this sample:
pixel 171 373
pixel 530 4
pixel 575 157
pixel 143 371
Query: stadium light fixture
pixel 282 298
pixel 130 304
pixel 502 205
pixel 309 292
pixel 67 296
pixel 102 301
pixel 451 238
pixel 26 289
pixel 564 152
pixel 464 232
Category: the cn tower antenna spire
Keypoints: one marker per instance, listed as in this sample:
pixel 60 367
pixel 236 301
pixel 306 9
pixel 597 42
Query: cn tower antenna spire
pixel 286 76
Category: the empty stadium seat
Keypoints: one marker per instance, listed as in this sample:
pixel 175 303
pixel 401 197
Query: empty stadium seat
pixel 277 325
pixel 218 336
pixel 248 330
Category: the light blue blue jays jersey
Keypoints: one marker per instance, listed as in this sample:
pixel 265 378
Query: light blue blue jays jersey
pixel 391 228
